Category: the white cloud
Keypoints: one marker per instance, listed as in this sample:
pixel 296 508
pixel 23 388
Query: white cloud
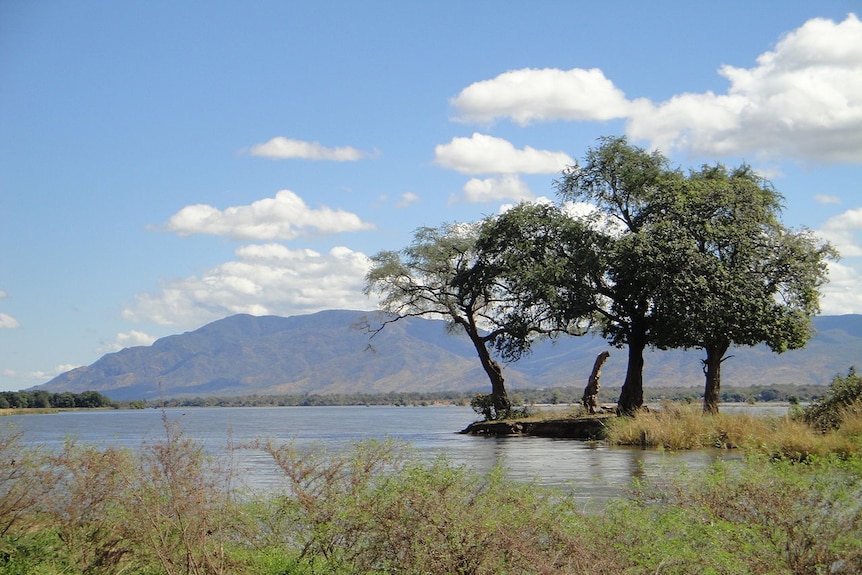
pixel 281 148
pixel 825 199
pixel 284 217
pixel 39 375
pixel 803 100
pixel 8 322
pixel 841 295
pixel 530 95
pixel 843 232
pixel 483 154
pixel 505 187
pixel 264 279
pixel 124 340
pixel 579 209
pixel 407 198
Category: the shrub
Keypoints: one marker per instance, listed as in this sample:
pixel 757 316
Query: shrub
pixel 24 482
pixel 753 516
pixel 483 404
pixel 179 513
pixel 844 395
pixel 86 509
pixel 370 510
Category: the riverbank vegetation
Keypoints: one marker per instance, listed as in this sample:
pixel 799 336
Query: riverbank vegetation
pixel 378 507
pixel 832 424
pixel 14 401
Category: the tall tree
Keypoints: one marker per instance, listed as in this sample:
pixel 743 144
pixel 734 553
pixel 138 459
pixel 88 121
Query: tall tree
pixel 743 278
pixel 439 275
pixel 630 188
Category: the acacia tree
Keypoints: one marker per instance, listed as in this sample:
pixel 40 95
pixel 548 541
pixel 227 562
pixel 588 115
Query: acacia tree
pixel 439 275
pixel 742 278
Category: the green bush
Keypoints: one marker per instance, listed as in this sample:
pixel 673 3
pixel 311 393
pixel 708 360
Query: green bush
pixel 483 404
pixel 845 394
pixel 753 516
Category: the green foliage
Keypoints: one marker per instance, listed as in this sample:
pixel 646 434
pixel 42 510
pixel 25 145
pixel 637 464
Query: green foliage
pixel 370 510
pixel 43 399
pixel 752 516
pixel 484 406
pixel 665 260
pixel 844 397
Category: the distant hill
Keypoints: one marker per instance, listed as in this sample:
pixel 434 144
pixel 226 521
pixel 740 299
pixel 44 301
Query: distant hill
pixel 326 352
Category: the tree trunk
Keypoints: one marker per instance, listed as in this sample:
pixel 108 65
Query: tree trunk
pixel 632 393
pixel 499 397
pixel 712 370
pixel 591 393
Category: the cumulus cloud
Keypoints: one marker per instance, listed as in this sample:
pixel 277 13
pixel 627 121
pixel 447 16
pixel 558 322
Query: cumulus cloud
pixel 841 295
pixel 264 279
pixel 483 154
pixel 505 187
pixel 531 95
pixel 802 100
pixel 281 148
pixel 284 217
pixel 843 231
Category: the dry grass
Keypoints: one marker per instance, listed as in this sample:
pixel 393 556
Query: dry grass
pixel 678 426
pixel 27 411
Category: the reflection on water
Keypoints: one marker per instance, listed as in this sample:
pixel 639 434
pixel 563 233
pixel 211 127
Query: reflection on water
pixel 590 471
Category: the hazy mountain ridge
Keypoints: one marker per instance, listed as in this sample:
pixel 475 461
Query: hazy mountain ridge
pixel 327 352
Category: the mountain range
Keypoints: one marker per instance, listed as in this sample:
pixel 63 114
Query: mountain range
pixel 331 352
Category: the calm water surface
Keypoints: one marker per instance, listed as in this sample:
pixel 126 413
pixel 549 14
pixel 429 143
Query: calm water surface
pixel 590 471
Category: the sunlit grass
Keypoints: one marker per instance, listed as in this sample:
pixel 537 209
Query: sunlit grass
pixel 677 426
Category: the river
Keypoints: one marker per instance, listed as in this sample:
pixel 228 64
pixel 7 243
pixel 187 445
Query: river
pixel 590 471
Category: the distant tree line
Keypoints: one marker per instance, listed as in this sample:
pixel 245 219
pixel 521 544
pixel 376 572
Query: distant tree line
pixel 548 396
pixel 44 399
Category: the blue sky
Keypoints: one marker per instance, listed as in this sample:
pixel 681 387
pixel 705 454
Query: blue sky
pixel 165 164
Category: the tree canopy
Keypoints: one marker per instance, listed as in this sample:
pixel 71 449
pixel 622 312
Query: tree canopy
pixel 664 259
pixel 658 258
pixel 439 275
pixel 744 278
pixel 629 188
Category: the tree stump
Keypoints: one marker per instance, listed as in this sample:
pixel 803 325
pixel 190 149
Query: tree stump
pixel 591 392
